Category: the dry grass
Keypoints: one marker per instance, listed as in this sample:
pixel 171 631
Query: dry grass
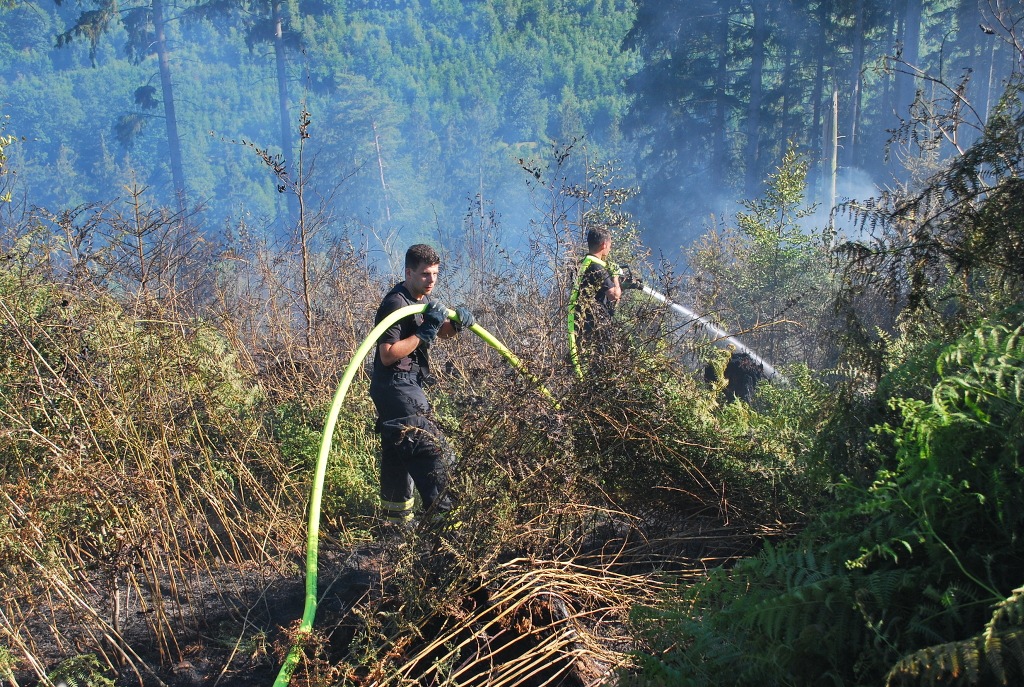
pixel 146 504
pixel 538 621
pixel 152 516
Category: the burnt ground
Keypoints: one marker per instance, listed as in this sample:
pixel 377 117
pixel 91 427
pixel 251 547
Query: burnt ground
pixel 232 624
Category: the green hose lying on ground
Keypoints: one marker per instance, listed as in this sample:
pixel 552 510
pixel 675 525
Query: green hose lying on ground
pixel 284 676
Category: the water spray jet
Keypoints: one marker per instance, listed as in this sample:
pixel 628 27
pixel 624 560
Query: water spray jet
pixel 721 337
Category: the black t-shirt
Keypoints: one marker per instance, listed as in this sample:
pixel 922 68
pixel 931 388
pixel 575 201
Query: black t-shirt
pixel 418 361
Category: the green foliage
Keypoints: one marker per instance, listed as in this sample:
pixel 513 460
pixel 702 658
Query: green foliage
pixel 83 670
pixel 7 662
pixel 772 221
pixel 770 275
pixel 411 109
pixel 296 434
pixel 916 576
pixel 788 422
pixel 350 485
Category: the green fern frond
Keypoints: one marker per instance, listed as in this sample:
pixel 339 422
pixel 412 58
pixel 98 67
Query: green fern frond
pixel 1009 612
pixel 989 368
pixel 996 654
pixel 802 595
pixel 83 670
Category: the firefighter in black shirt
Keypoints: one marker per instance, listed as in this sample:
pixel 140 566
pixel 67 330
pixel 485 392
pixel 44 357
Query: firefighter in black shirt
pixel 412 446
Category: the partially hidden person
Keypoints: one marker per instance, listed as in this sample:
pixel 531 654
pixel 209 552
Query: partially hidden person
pixel 599 294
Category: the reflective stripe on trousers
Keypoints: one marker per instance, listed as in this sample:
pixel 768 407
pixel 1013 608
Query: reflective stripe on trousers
pixel 397 511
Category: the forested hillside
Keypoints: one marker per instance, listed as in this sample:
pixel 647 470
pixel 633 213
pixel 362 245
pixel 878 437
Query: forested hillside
pixel 794 458
pixel 415 109
pixel 418 108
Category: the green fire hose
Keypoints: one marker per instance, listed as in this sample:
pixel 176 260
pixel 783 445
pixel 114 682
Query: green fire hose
pixel 574 297
pixel 284 676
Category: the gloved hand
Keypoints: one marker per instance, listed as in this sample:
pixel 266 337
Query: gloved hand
pixel 435 316
pixel 465 318
pixel 629 280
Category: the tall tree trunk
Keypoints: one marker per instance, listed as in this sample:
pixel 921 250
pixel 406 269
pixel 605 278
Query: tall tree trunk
pixel 856 73
pixel 719 154
pixel 891 89
pixel 757 48
pixel 380 169
pixel 906 85
pixel 990 90
pixel 834 163
pixel 282 102
pixel 789 94
pixel 170 118
pixel 824 22
pixel 980 53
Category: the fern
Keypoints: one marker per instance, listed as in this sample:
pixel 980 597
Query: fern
pixel 988 373
pixel 83 670
pixel 904 580
pixel 995 654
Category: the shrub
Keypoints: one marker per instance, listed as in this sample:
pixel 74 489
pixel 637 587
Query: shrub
pixel 913 579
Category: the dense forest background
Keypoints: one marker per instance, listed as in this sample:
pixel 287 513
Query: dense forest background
pixel 201 206
pixel 416 110
pixel 421 112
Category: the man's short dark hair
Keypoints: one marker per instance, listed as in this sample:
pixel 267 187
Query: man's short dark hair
pixel 421 255
pixel 596 236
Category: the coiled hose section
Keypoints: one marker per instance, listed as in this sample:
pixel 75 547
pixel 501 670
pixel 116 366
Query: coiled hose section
pixel 284 676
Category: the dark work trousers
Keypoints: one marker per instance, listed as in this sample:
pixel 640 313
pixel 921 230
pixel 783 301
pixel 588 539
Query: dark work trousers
pixel 412 448
pixel 595 343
